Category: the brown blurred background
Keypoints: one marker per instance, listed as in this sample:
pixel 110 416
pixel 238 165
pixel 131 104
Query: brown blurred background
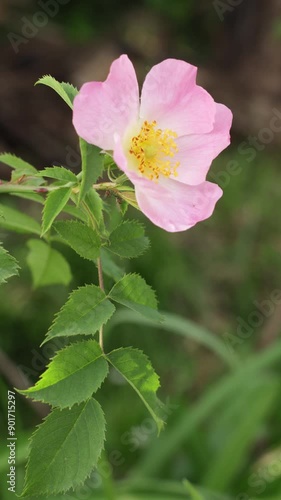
pixel 237 48
pixel 216 273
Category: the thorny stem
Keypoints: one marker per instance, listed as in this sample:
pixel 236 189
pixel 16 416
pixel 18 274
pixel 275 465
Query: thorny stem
pixel 101 284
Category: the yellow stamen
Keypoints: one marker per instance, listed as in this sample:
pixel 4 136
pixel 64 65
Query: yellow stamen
pixel 152 149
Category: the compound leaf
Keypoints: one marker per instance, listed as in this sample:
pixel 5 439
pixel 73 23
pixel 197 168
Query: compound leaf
pixel 65 449
pixel 73 375
pixel 137 370
pixel 58 173
pixel 47 265
pixel 54 204
pixel 86 310
pixel 128 240
pixel 81 238
pixel 8 265
pixel 132 291
pixel 14 220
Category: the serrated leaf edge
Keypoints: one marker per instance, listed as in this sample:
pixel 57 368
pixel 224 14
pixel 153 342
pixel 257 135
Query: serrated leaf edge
pixel 67 100
pixel 28 392
pixel 129 221
pixel 45 228
pixel 160 423
pixel 67 302
pixel 6 153
pixel 149 286
pixel 72 221
pixel 48 493
pixel 46 170
pixel 15 262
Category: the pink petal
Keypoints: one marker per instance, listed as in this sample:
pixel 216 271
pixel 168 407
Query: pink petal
pixel 171 97
pixel 102 109
pixel 196 152
pixel 174 206
pixel 119 155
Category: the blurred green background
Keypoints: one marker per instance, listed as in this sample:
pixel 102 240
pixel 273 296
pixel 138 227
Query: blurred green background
pixel 219 354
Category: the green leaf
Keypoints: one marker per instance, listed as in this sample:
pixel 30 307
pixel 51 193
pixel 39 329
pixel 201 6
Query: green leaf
pixel 30 196
pixel 82 239
pixel 163 489
pixel 59 173
pixel 86 310
pixel 73 375
pixel 70 90
pixel 95 204
pixel 13 220
pixel 130 198
pixel 55 203
pixel 68 209
pixel 65 90
pixel 128 240
pixel 75 212
pixel 65 449
pixel 21 169
pixel 109 267
pixel 193 492
pixel 47 265
pixel 258 396
pixel 177 325
pixel 137 370
pixel 92 167
pixel 8 265
pixel 18 164
pixel 123 206
pixel 217 396
pixel 113 214
pixel 132 291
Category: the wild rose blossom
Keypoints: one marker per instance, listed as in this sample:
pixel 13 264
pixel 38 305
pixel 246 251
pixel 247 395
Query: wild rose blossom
pixel 164 142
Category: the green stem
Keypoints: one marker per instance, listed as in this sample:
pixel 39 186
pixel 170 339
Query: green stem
pixel 105 186
pixel 101 284
pixel 99 265
pixel 112 186
pixel 7 187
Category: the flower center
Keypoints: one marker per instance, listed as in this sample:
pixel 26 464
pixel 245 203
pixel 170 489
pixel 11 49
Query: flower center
pixel 152 149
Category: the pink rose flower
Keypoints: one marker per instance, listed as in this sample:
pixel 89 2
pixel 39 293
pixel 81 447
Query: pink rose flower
pixel 165 142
